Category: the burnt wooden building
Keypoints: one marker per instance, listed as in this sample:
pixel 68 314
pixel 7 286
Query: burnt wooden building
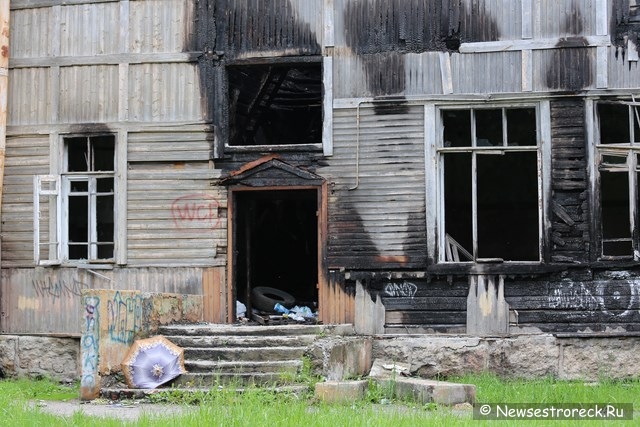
pixel 403 165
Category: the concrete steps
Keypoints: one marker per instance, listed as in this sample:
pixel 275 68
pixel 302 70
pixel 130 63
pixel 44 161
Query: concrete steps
pixel 241 355
pixel 212 330
pixel 238 356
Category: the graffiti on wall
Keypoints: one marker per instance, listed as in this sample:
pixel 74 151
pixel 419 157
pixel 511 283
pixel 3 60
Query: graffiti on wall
pixel 616 298
pixel 404 289
pixel 125 317
pixel 195 212
pixel 89 342
pixel 58 288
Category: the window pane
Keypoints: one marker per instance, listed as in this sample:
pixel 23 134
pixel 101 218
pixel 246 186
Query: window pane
pixel 614 160
pixel 104 185
pixel 617 248
pixel 78 251
pixel 77 154
pixel 614 123
pixel 507 188
pixel 105 251
pixel 103 152
pixel 614 201
pixel 457 128
pixel 78 227
pixel 521 126
pixel 636 125
pixel 457 199
pixel 79 186
pixel 489 128
pixel 105 228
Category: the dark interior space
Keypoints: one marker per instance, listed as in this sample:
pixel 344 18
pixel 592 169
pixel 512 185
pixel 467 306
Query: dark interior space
pixel 614 123
pixel 502 182
pixel 508 206
pixel 275 104
pixel 89 192
pixel 614 202
pixel 276 241
pixel 615 119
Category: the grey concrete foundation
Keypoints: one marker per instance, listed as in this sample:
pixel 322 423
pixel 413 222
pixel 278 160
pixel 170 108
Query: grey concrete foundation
pixel 40 356
pixel 523 356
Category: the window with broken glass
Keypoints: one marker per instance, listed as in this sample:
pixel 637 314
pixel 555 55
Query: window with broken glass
pixel 276 105
pixel 82 197
pixel 617 152
pixel 490 185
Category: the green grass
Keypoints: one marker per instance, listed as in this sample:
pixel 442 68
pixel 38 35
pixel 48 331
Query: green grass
pixel 260 407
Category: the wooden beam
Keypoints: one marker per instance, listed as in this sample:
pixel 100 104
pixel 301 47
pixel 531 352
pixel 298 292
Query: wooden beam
pixel 107 59
pixel 4 84
pixel 534 44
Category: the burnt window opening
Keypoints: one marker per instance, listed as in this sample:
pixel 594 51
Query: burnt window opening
pixel 88 198
pixel 490 185
pixel 634 10
pixel 275 104
pixel 618 149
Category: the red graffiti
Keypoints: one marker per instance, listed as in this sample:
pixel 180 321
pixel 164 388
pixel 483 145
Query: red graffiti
pixel 195 211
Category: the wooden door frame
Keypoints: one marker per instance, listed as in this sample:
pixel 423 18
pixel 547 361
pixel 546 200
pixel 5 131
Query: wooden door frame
pixel 321 211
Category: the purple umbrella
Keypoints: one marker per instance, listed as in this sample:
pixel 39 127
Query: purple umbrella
pixel 152 362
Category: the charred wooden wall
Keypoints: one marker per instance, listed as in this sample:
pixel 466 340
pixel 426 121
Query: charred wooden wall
pixel 154 73
pixel 376 180
pixel 577 300
pixel 570 213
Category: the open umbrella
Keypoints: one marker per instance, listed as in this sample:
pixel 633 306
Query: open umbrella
pixel 152 362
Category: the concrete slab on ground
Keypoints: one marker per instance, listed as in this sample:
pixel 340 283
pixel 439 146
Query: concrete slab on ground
pixel 415 389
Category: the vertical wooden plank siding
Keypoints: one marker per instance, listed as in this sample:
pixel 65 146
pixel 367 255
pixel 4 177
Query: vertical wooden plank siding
pixel 336 303
pixel 377 198
pixel 26 156
pixel 4 86
pixel 214 291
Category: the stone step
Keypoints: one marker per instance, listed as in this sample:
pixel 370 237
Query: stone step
pixel 276 366
pixel 114 393
pixel 242 341
pixel 258 379
pixel 243 353
pixel 208 329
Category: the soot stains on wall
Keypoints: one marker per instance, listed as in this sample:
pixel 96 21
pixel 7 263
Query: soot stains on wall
pixel 381 32
pixel 626 26
pixel 258 25
pixel 570 65
pixel 228 29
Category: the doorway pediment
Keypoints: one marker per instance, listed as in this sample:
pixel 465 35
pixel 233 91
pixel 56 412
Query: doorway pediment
pixel 271 172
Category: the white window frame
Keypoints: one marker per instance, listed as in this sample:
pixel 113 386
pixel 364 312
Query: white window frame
pixel 631 151
pixel 56 186
pixel 47 186
pixel 91 193
pixel 440 249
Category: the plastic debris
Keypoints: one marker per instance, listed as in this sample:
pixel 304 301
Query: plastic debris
pixel 279 308
pixel 241 310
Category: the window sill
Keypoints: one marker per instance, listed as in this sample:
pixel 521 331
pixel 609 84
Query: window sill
pixel 91 266
pixel 272 148
pixel 615 263
pixel 494 268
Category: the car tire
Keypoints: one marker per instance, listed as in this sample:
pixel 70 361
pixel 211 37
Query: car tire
pixel 265 298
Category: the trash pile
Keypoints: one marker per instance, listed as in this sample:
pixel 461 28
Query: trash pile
pixel 270 305
pixel 297 313
pixel 279 315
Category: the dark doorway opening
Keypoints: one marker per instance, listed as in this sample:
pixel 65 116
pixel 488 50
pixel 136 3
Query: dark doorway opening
pixel 276 243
